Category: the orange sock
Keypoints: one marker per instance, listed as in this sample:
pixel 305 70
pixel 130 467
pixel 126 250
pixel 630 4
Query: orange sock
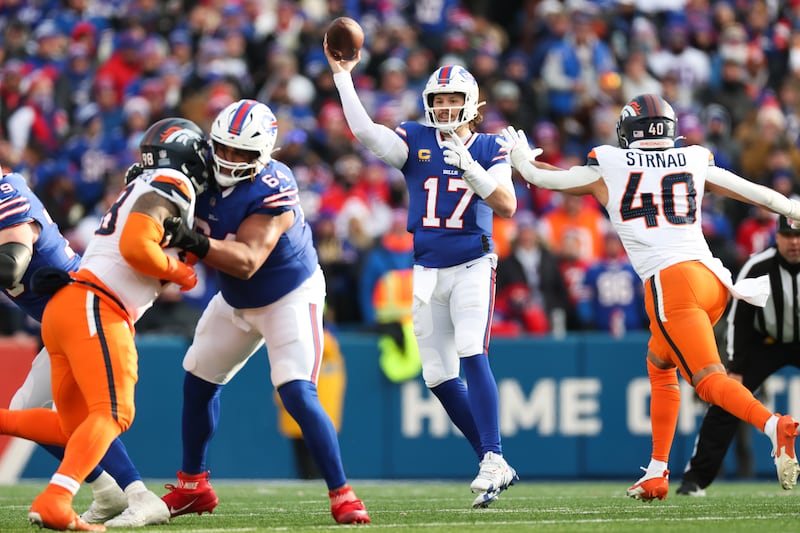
pixel 38 424
pixel 88 444
pixel 719 389
pixel 665 404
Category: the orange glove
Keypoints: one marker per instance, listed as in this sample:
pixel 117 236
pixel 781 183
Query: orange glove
pixel 181 274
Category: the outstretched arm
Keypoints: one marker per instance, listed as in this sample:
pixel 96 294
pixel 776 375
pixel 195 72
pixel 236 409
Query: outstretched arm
pixel 241 257
pixel 577 180
pixel 379 139
pixel 733 186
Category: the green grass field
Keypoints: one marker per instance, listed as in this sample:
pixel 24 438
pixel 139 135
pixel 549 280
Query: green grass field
pixel 445 506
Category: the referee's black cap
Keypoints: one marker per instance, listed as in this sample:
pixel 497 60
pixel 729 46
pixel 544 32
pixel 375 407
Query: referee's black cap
pixel 785 227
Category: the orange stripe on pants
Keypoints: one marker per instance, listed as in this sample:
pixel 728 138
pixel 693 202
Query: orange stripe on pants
pixel 683 303
pixel 94 373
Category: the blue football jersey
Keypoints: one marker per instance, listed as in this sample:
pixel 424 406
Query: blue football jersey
pixel 294 259
pixel 450 223
pixel 18 205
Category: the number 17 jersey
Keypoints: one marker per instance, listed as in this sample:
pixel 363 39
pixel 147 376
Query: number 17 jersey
pixel 450 223
pixel 654 200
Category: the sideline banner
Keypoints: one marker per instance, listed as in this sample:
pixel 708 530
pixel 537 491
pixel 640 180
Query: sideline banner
pixel 574 408
pixel 16 354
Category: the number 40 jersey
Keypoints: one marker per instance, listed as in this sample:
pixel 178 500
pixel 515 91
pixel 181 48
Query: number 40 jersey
pixel 654 200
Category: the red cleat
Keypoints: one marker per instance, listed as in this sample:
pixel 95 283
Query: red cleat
pixel 654 488
pixel 346 508
pixel 193 494
pixel 53 509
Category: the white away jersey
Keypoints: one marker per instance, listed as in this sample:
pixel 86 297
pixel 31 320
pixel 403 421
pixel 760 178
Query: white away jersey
pixel 136 291
pixel 654 200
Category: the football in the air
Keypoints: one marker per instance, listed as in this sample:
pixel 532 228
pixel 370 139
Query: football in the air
pixel 345 38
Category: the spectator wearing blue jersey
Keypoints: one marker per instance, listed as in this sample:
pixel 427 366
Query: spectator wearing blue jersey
pixel 29 241
pixel 457 180
pixel 271 290
pixel 613 295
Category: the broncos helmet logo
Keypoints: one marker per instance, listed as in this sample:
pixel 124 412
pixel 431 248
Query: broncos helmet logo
pixel 180 135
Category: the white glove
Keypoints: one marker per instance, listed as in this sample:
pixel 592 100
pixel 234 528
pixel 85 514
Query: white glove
pixel 516 144
pixel 456 154
pixel 795 224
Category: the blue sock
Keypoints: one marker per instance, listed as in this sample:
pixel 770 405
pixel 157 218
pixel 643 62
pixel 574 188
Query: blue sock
pixel 58 453
pixel 199 421
pixel 452 395
pixel 119 465
pixel 301 401
pixel 482 392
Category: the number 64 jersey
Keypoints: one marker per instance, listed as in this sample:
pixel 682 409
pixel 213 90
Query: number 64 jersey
pixel 654 200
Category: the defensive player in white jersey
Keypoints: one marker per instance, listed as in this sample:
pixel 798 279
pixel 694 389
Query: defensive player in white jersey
pixel 272 290
pixel 88 324
pixel 652 191
pixel 30 240
pixel 457 181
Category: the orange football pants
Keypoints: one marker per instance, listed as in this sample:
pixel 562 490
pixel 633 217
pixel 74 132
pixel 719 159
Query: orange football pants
pixel 94 372
pixel 683 302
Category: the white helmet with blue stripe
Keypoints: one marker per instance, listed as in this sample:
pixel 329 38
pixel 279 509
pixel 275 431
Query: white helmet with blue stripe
pixel 246 125
pixel 447 80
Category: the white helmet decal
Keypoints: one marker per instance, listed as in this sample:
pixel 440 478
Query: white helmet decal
pixel 447 80
pixel 246 125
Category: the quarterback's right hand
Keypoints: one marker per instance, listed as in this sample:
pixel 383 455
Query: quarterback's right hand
pixel 181 274
pixel 516 144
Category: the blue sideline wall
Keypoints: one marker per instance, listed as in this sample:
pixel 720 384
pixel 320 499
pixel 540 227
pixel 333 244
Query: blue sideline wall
pixel 575 408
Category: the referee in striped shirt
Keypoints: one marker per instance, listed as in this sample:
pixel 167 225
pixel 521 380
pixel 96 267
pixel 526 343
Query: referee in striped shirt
pixel 761 341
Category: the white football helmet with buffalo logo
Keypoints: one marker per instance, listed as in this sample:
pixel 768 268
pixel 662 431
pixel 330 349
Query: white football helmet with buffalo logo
pixel 247 125
pixel 447 80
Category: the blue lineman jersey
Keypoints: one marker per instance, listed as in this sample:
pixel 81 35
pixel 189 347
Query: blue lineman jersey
pixel 19 205
pixel 450 223
pixel 294 258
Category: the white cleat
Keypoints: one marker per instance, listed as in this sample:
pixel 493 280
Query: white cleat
pixel 783 451
pixel 107 503
pixel 144 509
pixel 494 477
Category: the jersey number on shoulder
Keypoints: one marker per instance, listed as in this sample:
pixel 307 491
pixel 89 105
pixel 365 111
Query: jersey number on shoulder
pixel 456 218
pixel 679 186
pixel 108 224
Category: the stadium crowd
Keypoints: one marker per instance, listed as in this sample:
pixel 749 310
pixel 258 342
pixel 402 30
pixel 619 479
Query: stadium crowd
pixel 81 80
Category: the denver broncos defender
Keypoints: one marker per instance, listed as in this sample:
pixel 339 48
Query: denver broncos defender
pixel 87 325
pixel 457 180
pixel 29 241
pixel 652 191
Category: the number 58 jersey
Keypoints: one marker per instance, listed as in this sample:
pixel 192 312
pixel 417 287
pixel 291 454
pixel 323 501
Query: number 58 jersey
pixel 654 200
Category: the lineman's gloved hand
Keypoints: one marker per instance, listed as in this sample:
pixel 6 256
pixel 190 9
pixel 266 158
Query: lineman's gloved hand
pixel 133 172
pixel 178 235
